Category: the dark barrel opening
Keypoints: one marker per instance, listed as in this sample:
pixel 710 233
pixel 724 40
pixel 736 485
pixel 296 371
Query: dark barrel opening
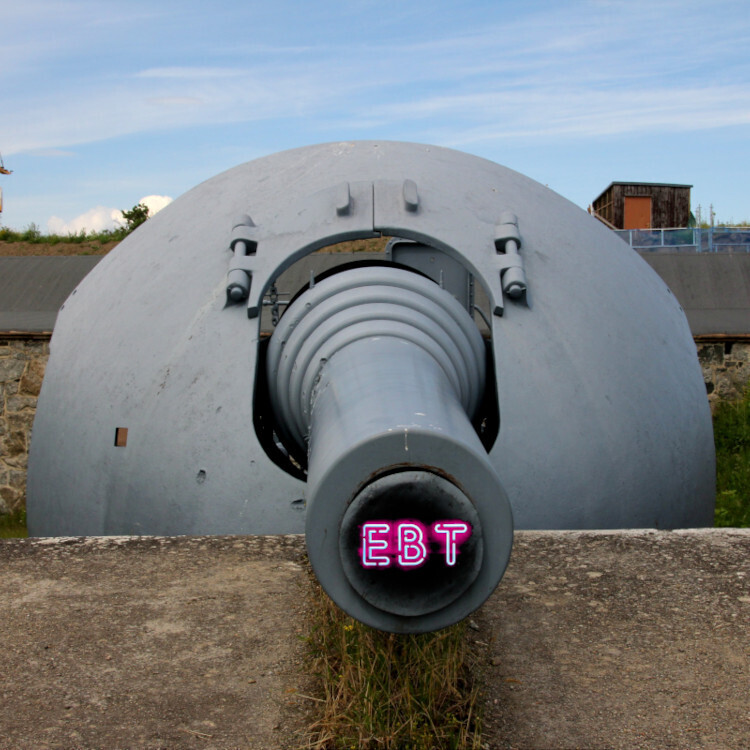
pixel 419 499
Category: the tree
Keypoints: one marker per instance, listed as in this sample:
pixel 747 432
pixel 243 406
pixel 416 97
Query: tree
pixel 135 217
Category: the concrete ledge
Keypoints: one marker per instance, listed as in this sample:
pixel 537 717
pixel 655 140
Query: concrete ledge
pixel 152 643
pixel 636 639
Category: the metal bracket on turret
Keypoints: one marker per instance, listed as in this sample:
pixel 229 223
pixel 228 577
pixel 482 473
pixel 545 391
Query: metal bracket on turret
pixel 243 244
pixel 507 245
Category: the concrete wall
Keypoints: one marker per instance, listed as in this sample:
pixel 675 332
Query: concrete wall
pixel 726 370
pixel 22 363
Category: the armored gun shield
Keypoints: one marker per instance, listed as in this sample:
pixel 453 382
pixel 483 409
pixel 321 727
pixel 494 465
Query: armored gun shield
pixel 507 358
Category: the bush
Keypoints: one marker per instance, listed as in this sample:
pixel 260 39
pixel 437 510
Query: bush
pixel 135 217
pixel 31 233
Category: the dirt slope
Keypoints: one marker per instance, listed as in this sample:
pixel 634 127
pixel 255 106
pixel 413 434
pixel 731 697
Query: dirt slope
pixel 17 249
pixel 93 247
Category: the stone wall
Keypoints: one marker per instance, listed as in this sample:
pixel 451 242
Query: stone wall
pixel 22 363
pixel 726 371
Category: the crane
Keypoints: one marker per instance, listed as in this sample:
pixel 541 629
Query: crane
pixel 3 170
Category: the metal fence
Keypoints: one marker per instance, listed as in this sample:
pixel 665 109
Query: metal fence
pixel 697 239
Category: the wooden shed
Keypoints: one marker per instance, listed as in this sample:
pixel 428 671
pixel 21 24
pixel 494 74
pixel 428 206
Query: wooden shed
pixel 643 205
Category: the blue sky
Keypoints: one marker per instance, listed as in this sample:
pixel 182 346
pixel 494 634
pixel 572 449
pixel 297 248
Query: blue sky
pixel 103 103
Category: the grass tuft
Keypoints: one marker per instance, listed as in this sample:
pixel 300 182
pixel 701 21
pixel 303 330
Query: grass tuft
pixel 13 525
pixel 391 692
pixel 732 439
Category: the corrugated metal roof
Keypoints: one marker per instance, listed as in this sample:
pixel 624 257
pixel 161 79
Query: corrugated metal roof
pixel 645 184
pixel 713 289
pixel 650 184
pixel 33 288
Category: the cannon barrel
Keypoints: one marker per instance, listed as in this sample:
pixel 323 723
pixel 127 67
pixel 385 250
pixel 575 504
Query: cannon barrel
pixel 377 372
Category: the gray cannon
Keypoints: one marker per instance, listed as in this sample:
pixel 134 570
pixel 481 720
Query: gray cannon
pixel 375 373
pixel 506 360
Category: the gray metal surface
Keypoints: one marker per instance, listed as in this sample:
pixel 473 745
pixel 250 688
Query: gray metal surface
pixel 444 270
pixel 713 289
pixel 603 415
pixel 377 372
pixel 33 288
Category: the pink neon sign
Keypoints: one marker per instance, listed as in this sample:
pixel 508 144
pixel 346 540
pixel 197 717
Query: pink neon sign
pixel 406 543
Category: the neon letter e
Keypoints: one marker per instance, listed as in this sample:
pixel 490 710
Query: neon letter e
pixel 370 544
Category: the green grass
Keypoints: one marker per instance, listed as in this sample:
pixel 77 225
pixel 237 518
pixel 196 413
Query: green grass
pixel 386 691
pixel 13 525
pixel 33 235
pixel 732 438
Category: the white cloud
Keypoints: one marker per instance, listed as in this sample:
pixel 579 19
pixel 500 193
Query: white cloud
pixel 573 111
pixel 600 54
pixel 174 101
pixel 97 219
pixel 192 72
pixel 102 218
pixel 155 203
pixel 52 153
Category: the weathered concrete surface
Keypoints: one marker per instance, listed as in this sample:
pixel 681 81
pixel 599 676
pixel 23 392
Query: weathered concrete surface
pixel 592 640
pixel 151 643
pixel 620 640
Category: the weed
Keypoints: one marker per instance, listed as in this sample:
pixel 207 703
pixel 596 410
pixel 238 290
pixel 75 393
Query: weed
pixel 387 691
pixel 13 525
pixel 732 439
